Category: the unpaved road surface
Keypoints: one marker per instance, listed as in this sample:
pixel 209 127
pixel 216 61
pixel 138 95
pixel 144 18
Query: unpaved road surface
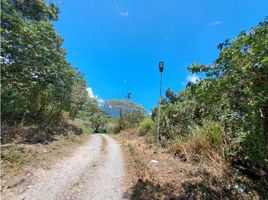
pixel 94 172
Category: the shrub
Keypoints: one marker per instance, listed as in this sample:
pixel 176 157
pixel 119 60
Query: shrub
pixel 202 143
pixel 252 149
pixel 176 119
pixel 213 133
pixel 117 128
pixel 147 127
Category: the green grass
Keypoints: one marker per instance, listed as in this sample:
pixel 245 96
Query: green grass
pixel 86 129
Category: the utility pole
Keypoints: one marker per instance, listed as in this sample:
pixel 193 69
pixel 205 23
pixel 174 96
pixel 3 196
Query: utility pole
pixel 161 69
pixel 121 119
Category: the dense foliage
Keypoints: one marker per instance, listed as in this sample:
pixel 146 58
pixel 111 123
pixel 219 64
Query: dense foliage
pixel 37 83
pixel 97 118
pixel 147 126
pixel 231 102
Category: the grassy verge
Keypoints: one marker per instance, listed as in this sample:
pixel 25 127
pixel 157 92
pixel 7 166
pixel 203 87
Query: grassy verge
pixel 199 174
pixel 146 186
pixel 14 157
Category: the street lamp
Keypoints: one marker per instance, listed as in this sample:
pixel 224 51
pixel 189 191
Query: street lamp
pixel 161 69
pixel 161 66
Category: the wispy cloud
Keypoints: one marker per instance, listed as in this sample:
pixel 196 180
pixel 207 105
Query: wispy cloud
pixel 215 23
pixel 124 13
pixel 192 78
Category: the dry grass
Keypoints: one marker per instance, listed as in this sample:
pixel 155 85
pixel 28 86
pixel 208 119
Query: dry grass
pixel 198 151
pixel 14 157
pixel 189 170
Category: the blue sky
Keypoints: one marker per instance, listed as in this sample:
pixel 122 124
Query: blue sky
pixel 117 44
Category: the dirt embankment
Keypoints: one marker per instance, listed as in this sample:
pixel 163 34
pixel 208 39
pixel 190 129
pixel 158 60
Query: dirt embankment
pixel 154 173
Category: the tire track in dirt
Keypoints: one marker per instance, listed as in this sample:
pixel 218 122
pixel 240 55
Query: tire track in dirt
pixel 106 181
pixel 73 192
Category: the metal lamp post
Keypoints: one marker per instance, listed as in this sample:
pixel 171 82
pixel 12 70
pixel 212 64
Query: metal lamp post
pixel 161 69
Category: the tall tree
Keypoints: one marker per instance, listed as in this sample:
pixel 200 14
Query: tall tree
pixel 36 79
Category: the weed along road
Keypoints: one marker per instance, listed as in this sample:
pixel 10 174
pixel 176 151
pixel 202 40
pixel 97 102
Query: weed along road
pixel 94 171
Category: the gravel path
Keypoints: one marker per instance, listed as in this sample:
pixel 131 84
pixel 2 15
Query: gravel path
pixel 94 171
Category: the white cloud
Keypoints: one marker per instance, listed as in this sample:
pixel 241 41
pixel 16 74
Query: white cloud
pixel 101 101
pixel 91 95
pixel 90 92
pixel 192 78
pixel 124 13
pixel 215 23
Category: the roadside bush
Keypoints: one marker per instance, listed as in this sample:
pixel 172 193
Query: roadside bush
pixel 198 147
pixel 117 128
pixel 86 128
pixel 147 127
pixel 252 149
pixel 110 126
pixel 176 119
pixel 202 143
pixel 213 132
pixel 95 117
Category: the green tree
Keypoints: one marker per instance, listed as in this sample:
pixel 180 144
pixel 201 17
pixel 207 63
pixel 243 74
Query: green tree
pixel 92 113
pixel 36 80
pixel 178 113
pixel 236 90
pixel 79 95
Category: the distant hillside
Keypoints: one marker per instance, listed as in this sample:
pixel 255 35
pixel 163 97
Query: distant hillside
pixel 113 113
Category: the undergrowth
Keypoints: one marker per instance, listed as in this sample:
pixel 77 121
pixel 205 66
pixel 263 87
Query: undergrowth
pixel 14 158
pixel 203 143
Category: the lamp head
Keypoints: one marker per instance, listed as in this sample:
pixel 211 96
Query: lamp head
pixel 161 66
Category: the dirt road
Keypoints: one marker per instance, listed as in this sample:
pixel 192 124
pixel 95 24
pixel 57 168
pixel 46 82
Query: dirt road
pixel 94 171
